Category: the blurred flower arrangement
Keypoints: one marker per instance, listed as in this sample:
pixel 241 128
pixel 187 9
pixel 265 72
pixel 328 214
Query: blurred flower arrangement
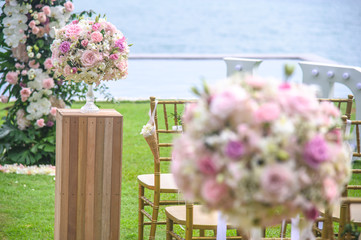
pixel 28 170
pixel 261 151
pixel 90 51
pixel 26 32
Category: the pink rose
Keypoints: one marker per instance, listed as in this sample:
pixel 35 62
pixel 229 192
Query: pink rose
pixel 316 151
pixel 48 83
pixel 330 189
pixel 40 122
pixel 53 111
pixel 89 58
pixel 48 63
pixel 35 30
pixel 42 17
pixel 96 36
pixel 25 92
pixel 4 99
pixel 277 182
pixel 84 43
pixel 72 31
pixel 224 103
pixel 46 10
pixel 214 192
pixel 12 77
pixel 110 28
pixel 24 72
pixel 67 70
pixel 113 56
pixel 207 165
pixel 267 112
pixel 122 66
pixel 33 64
pixel 32 24
pixel 69 7
pixel 17 65
pixel 234 149
pixel 96 26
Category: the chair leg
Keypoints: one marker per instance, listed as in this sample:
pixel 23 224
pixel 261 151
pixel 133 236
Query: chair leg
pixel 153 225
pixel 140 214
pixel 202 233
pixel 169 229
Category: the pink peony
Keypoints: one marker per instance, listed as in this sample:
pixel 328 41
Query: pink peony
pixel 207 165
pixel 89 58
pixel 4 99
pixel 40 122
pixel 53 111
pixel 34 64
pixel 72 31
pixel 316 151
pixel 234 149
pixel 12 77
pixel 69 7
pixel 35 30
pixel 214 192
pixel 46 10
pixel 84 42
pixel 277 182
pixel 25 92
pixel 32 24
pixel 48 83
pixel 267 112
pixel 96 26
pixel 42 17
pixel 330 189
pixel 113 56
pixel 96 36
pixel 48 63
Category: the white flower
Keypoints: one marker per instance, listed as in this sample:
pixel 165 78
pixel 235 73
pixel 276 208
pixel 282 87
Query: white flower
pixel 31 54
pixel 38 55
pixel 147 130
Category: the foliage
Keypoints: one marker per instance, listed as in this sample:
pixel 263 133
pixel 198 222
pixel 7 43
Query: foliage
pixel 27 135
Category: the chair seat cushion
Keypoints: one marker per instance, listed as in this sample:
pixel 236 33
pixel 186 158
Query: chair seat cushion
pixel 201 218
pixel 167 183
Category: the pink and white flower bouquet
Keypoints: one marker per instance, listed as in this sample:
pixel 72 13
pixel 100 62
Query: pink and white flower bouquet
pixel 261 151
pixel 90 51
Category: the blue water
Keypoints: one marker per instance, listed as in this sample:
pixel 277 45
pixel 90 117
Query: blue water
pixel 329 28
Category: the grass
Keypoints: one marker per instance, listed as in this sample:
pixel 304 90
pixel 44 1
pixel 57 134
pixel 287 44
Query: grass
pixel 27 202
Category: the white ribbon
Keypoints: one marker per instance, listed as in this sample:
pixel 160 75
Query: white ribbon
pixel 152 114
pixel 221 227
pixel 295 231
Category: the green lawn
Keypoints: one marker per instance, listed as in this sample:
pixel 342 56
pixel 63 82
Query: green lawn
pixel 27 202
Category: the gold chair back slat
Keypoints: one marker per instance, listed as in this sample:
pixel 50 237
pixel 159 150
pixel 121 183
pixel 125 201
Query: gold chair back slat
pixel 341 101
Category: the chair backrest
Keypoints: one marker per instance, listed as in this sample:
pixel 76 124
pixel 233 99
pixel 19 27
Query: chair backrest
pixel 168 123
pixel 344 104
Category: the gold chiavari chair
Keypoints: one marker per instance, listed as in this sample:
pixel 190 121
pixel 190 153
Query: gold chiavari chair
pixel 167 115
pixel 351 213
pixel 344 104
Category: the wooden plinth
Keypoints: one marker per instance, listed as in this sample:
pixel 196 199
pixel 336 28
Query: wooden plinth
pixel 88 175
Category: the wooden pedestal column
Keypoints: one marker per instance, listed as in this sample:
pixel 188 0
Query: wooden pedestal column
pixel 88 175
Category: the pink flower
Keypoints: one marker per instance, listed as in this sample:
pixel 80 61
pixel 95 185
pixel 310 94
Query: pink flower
pixel 96 26
pixel 207 165
pixel 48 63
pixel 120 43
pixel 75 21
pixel 110 28
pixel 24 72
pixel 46 10
pixel 234 149
pixel 48 83
pixel 267 112
pixel 285 86
pixel 42 17
pixel 223 104
pixel 214 192
pixel 17 65
pixel 64 47
pixel 12 77
pixel 335 135
pixel 72 31
pixel 189 111
pixel 35 30
pixel 312 213
pixel 84 43
pixel 96 36
pixel 40 122
pixel 122 66
pixel 330 109
pixel 34 64
pixel 74 70
pixel 4 99
pixel 50 124
pixel 89 58
pixel 330 189
pixel 32 24
pixel 67 70
pixel 53 111
pixel 113 56
pixel 277 182
pixel 25 92
pixel 69 7
pixel 316 151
